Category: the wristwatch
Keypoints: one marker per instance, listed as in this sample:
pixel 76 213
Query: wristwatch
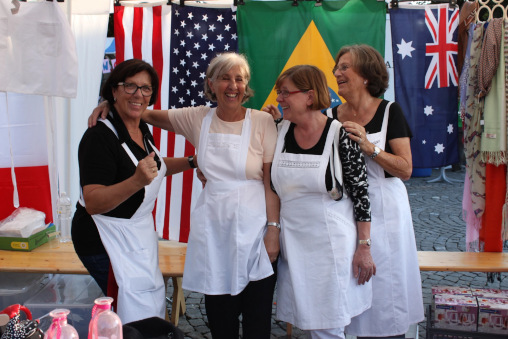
pixel 190 159
pixel 364 242
pixel 377 150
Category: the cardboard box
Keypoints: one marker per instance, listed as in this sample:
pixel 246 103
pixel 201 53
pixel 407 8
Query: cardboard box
pixel 489 293
pixel 493 315
pixel 455 312
pixel 455 290
pixel 28 244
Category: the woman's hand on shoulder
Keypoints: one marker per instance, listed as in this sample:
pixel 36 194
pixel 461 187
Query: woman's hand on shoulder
pixel 100 111
pixel 357 133
pixel 273 111
pixel 363 264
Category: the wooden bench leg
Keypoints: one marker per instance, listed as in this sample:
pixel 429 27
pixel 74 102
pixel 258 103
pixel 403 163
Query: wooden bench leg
pixel 178 306
pixel 289 329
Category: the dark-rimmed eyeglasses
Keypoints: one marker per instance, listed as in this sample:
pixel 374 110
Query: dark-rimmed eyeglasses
pixel 342 68
pixel 285 93
pixel 129 88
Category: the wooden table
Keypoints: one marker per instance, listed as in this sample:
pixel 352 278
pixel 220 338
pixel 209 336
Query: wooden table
pixel 463 261
pixel 60 258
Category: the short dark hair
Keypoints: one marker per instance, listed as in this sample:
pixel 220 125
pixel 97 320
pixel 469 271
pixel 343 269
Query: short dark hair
pixel 369 63
pixel 127 69
pixel 305 78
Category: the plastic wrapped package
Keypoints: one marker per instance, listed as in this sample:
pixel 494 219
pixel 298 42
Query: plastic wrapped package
pixel 23 222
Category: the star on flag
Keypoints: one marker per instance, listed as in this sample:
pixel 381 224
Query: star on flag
pixel 405 49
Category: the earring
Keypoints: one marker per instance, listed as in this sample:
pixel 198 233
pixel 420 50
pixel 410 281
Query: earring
pixel 114 99
pixel 365 82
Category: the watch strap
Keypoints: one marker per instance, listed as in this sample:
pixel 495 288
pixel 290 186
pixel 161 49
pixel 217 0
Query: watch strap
pixel 190 159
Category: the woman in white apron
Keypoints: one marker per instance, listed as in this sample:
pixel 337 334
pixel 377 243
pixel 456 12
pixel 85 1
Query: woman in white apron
pixel 325 262
pixel 234 236
pixel 120 175
pixel 384 137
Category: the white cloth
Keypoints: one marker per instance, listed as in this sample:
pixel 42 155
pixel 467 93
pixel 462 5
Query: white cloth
pixel 37 50
pixel 397 293
pixel 132 246
pixel 315 287
pixel 332 333
pixel 226 249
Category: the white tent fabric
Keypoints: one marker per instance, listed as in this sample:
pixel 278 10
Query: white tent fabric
pixel 70 65
pixel 89 24
pixel 37 50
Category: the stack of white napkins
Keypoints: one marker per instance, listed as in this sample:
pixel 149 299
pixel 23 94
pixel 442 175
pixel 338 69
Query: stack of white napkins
pixel 23 222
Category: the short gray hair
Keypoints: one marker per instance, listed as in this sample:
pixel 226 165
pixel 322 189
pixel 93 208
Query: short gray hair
pixel 221 64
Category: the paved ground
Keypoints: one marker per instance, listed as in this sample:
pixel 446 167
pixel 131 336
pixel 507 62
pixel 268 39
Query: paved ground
pixel 437 217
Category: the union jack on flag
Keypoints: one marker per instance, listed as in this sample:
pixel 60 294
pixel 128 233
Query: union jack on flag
pixel 426 88
pixel 442 48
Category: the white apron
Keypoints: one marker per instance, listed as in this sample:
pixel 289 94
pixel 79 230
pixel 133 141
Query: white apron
pixel 132 246
pixel 225 249
pixel 315 287
pixel 397 293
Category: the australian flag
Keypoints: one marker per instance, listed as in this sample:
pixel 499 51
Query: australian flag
pixel 197 35
pixel 424 40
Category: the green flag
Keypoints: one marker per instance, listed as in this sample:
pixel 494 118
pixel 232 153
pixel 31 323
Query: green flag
pixel 275 35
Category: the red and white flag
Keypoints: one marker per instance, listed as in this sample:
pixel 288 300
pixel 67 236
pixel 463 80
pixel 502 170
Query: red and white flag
pixel 23 151
pixel 145 33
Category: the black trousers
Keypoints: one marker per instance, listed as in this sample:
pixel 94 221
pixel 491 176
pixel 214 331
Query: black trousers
pixel 254 303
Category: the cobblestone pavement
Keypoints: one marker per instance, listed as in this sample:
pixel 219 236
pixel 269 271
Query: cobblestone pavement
pixel 437 217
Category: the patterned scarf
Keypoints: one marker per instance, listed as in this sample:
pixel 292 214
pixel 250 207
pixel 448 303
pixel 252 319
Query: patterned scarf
pixel 492 85
pixel 504 231
pixel 473 128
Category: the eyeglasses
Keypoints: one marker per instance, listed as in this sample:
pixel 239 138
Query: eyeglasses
pixel 342 68
pixel 285 93
pixel 129 88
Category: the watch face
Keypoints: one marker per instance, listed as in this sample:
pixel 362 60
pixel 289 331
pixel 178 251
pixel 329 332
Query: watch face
pixel 364 242
pixel 377 150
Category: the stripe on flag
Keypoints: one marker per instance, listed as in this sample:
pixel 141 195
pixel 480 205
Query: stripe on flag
pixel 144 33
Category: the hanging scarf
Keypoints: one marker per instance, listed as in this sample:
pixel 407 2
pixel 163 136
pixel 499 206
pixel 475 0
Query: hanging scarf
pixel 492 83
pixel 504 230
pixel 473 128
pixel 489 58
pixel 464 75
pixel 467 16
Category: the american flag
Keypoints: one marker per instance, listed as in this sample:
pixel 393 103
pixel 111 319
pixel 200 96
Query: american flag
pixel 197 35
pixel 442 48
pixel 179 43
pixel 430 109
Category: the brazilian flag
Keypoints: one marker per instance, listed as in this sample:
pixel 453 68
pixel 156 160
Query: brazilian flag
pixel 275 35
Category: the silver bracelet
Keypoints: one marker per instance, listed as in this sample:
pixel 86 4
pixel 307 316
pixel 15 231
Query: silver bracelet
pixel 273 223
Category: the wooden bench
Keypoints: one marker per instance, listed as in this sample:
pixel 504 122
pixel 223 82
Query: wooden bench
pixel 463 261
pixel 457 262
pixel 60 258
pixel 55 257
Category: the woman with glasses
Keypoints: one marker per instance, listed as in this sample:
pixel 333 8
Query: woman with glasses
pixel 120 175
pixel 234 236
pixel 383 135
pixel 320 177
